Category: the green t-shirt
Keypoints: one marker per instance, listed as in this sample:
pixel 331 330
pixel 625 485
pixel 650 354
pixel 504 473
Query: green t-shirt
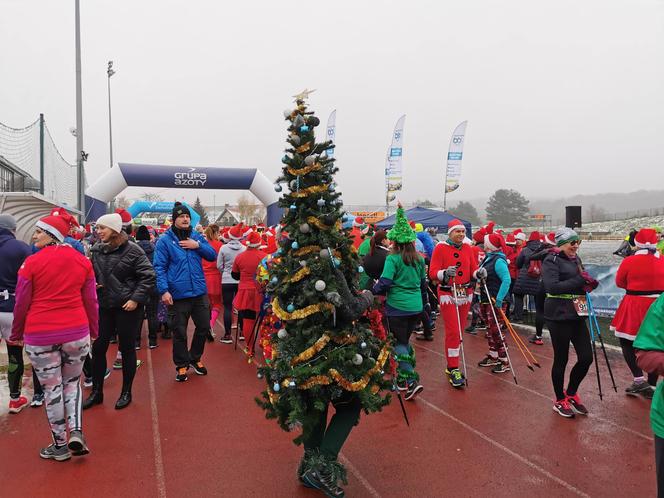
pixel 651 338
pixel 405 293
pixel 364 248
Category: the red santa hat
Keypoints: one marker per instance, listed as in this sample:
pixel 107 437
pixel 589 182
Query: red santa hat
pixel 646 238
pixel 550 238
pixel 519 234
pixel 60 211
pixel 494 242
pixel 534 236
pixel 478 236
pixel 236 233
pixel 489 227
pixel 254 240
pixel 57 226
pixel 455 225
pixel 510 240
pixel 358 222
pixel 124 214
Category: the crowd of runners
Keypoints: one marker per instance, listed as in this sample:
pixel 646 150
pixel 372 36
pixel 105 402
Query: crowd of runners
pixel 73 292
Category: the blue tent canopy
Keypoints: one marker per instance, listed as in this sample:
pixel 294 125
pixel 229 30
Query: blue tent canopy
pixel 428 218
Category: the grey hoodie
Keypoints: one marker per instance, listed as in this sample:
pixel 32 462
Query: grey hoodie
pixel 225 259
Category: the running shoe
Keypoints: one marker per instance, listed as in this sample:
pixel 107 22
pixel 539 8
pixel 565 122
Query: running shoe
pixel 17 404
pixel 649 393
pixel 413 390
pixel 77 443
pixel 471 329
pixel 562 408
pixel 138 346
pixel 241 338
pixel 227 339
pixel 481 326
pixel 181 375
pixel 152 343
pixel 87 382
pixel 117 364
pixel 402 385
pixel 501 367
pixel 535 339
pixel 199 368
pixel 637 388
pixel 322 478
pixel 107 373
pixel 424 337
pixel 575 403
pixel 488 361
pixel 37 400
pixel 456 378
pixel 57 453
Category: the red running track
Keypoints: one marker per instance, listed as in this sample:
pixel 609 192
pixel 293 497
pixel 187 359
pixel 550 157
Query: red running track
pixel 207 437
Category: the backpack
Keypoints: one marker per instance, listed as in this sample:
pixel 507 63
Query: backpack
pixel 535 269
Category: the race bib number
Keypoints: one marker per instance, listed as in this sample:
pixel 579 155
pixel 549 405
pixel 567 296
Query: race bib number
pixel 461 293
pixel 580 305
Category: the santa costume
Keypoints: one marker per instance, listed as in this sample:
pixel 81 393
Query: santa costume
pixel 356 232
pixel 446 256
pixel 249 297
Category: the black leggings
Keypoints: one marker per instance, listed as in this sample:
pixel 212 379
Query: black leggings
pixel 627 347
pixel 15 372
pixel 125 324
pixel 540 297
pixel 562 333
pixel 228 292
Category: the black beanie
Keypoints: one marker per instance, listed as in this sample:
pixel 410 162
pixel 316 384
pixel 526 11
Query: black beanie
pixel 179 209
pixel 142 233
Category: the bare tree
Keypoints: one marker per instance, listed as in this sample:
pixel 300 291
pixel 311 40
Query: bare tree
pixel 151 197
pixel 249 211
pixel 122 202
pixel 596 213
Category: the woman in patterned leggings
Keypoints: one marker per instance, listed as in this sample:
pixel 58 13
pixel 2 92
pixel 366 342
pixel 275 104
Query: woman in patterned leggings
pixel 55 316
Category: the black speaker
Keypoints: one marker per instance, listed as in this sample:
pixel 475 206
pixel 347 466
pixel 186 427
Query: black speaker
pixel 573 216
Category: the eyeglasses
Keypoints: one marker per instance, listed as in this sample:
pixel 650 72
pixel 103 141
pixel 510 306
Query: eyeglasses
pixel 575 243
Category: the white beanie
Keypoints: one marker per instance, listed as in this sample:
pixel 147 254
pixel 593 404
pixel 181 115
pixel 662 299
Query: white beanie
pixel 112 221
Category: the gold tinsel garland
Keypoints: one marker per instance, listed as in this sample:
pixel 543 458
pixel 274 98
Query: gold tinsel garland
pixel 303 148
pixel 316 222
pixel 305 170
pixel 303 251
pixel 318 380
pixel 309 190
pixel 358 385
pixel 301 313
pixel 348 339
pixel 311 351
pixel 299 275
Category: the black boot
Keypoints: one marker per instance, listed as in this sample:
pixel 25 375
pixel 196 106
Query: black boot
pixel 123 400
pixel 325 476
pixel 167 333
pixel 96 398
pixel 305 465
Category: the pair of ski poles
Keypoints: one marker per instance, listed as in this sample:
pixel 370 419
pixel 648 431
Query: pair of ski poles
pixel 594 331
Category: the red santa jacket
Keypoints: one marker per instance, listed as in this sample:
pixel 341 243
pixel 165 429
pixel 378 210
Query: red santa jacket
pixel 445 255
pixel 512 253
pixel 641 274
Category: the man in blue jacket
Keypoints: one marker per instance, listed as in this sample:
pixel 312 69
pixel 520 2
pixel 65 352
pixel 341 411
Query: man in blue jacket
pixel 181 284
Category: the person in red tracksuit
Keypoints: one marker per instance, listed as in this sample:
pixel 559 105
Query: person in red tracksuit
pixel 249 296
pixel 453 264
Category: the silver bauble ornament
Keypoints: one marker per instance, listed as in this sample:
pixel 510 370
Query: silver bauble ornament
pixel 305 228
pixel 298 121
pixel 320 202
pixel 324 253
pixel 287 113
pixel 259 375
pixel 363 345
pixel 320 285
pixel 357 359
pixel 309 160
pixel 296 140
pixel 303 263
pixel 293 184
pixel 282 334
pixel 277 187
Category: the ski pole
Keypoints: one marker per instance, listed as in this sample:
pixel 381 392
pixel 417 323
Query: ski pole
pixel 500 332
pixel 463 354
pixel 517 338
pixel 592 338
pixel 591 310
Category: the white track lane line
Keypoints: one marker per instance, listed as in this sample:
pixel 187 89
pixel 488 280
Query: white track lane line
pixel 353 470
pixel 156 435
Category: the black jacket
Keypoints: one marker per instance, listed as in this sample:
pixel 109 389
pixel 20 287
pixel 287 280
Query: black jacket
pixel 525 284
pixel 561 275
pixel 373 264
pixel 123 272
pixel 12 254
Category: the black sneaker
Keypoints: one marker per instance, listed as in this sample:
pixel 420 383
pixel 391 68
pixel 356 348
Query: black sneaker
pixel 152 343
pixel 322 477
pixel 227 339
pixel 402 385
pixel 181 375
pixel 471 329
pixel 413 390
pixel 637 388
pixel 488 361
pixel 576 405
pixel 501 367
pixel 480 326
pixel 562 408
pixel 199 368
pixel 424 337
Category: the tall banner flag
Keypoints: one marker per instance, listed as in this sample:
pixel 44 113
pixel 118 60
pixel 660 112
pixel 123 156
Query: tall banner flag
pixel 394 163
pixel 331 130
pixel 454 157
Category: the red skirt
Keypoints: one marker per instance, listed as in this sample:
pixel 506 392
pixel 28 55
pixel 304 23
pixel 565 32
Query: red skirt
pixel 630 314
pixel 248 299
pixel 213 283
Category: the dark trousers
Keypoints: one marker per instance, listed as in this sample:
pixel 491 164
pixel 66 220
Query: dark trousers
pixel 629 354
pixel 540 297
pixel 562 333
pixel 198 309
pixel 151 314
pixel 517 313
pixel 124 324
pixel 15 372
pixel 659 465
pixel 329 438
pixel 228 292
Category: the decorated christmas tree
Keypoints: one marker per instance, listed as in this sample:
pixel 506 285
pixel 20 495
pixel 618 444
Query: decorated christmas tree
pixel 324 346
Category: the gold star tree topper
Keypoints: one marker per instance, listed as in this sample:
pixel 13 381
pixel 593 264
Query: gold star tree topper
pixel 304 94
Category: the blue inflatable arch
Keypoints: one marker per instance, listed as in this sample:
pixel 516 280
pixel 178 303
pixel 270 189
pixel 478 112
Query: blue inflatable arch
pixel 139 207
pixel 116 179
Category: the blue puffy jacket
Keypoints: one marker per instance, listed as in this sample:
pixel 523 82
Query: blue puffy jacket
pixel 427 242
pixel 180 271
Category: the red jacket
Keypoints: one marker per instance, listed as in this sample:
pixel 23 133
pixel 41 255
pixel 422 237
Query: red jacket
pixel 246 264
pixel 210 267
pixel 511 254
pixel 56 298
pixel 445 255
pixel 641 272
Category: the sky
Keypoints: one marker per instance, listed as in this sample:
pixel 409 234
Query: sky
pixel 561 98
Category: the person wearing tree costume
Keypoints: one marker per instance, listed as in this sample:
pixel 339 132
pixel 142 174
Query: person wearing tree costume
pixel 325 353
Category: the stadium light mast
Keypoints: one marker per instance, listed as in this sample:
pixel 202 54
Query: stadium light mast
pixel 81 156
pixel 110 72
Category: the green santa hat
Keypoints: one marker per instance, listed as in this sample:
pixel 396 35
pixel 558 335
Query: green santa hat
pixel 401 232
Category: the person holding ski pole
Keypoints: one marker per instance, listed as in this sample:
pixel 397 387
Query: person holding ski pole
pixel 494 272
pixel 453 264
pixel 565 312
pixel 642 276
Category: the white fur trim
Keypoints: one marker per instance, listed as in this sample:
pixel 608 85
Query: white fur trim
pixel 645 245
pixel 453 353
pixel 488 245
pixel 448 299
pixel 51 230
pixel 623 335
pixel 441 275
pixel 456 227
pixel 520 236
pixel 645 252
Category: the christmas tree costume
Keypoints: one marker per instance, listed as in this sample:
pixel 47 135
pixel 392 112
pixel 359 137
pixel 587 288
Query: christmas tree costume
pixel 324 353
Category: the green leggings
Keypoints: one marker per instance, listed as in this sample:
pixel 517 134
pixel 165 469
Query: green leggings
pixel 329 438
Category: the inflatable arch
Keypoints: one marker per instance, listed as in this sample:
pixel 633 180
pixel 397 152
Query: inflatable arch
pixel 139 207
pixel 116 179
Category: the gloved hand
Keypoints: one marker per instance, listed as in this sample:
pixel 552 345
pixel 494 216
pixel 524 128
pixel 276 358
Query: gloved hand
pixel 450 271
pixel 498 304
pixel 480 274
pixel 591 283
pixel 427 308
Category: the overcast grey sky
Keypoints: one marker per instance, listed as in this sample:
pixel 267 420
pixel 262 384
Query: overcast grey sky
pixel 561 97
